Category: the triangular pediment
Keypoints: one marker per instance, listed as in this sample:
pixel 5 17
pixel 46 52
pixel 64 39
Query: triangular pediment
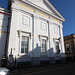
pixel 41 4
pixel 46 5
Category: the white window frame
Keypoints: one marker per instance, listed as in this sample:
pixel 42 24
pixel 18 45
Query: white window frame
pixel 43 38
pixel 23 16
pixel 56 29
pixel 23 40
pixel 55 47
pixel 43 26
pixel 43 22
pixel 26 35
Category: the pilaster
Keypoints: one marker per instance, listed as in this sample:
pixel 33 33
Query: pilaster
pixel 51 39
pixel 62 41
pixel 13 32
pixel 35 34
pixel 35 46
pixel 52 55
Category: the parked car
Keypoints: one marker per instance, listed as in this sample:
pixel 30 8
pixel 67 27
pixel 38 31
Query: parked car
pixel 4 71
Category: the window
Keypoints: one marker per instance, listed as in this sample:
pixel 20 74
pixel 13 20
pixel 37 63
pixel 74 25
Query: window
pixel 24 44
pixel 56 30
pixel 43 46
pixel 57 48
pixel 25 20
pixel 67 48
pixel 43 26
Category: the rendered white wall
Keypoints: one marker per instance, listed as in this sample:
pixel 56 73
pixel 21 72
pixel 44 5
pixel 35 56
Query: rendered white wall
pixel 35 26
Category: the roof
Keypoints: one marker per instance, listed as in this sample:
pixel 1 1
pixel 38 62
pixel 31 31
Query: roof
pixel 72 36
pixel 5 12
pixel 46 5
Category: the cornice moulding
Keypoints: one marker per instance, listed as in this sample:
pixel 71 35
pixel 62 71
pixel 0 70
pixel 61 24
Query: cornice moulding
pixel 36 6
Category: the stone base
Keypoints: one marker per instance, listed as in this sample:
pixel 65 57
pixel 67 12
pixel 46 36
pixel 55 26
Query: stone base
pixel 68 59
pixel 0 62
pixel 52 60
pixel 35 61
pixel 63 59
pixel 23 64
pixel 45 62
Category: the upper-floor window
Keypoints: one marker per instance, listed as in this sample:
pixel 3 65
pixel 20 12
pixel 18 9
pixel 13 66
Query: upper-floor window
pixel 43 26
pixel 26 20
pixel 56 29
pixel 24 44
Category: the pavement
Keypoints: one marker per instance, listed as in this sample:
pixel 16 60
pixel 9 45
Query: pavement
pixel 59 69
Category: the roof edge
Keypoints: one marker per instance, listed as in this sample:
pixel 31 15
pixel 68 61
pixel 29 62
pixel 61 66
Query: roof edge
pixel 54 9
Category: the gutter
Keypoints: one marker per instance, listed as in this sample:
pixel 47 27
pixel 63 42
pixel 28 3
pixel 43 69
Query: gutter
pixel 5 13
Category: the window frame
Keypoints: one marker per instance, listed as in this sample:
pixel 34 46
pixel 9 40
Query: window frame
pixel 66 48
pixel 45 47
pixel 43 23
pixel 23 20
pixel 25 35
pixel 57 51
pixel 43 26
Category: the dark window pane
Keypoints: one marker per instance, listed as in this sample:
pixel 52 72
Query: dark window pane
pixel 43 50
pixel 22 49
pixel 23 43
pixel 67 48
pixel 43 46
pixel 26 50
pixel 57 48
pixel 26 43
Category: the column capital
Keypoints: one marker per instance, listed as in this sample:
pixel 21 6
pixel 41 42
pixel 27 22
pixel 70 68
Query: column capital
pixel 50 21
pixel 35 15
pixel 61 26
pixel 15 7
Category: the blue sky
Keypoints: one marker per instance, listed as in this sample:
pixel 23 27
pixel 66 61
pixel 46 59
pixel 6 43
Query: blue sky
pixel 4 3
pixel 66 8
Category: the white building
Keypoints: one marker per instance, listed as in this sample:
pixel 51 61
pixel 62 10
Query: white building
pixel 35 34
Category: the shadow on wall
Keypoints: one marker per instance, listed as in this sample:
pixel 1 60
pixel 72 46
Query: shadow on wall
pixel 35 57
pixel 3 39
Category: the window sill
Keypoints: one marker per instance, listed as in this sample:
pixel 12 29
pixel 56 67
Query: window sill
pixel 23 54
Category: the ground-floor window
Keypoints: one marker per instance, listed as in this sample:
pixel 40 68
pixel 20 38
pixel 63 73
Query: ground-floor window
pixel 67 48
pixel 43 46
pixel 57 47
pixel 24 44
